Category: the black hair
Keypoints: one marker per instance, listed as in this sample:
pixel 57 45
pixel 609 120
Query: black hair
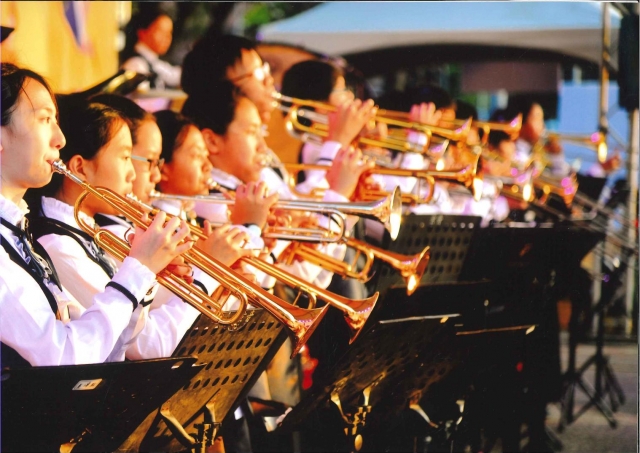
pixel 132 113
pixel 431 93
pixel 213 109
pixel 147 14
pixel 311 79
pixel 395 100
pixel 209 60
pixel 465 110
pixel 174 127
pixel 495 137
pixel 520 105
pixel 14 79
pixel 87 126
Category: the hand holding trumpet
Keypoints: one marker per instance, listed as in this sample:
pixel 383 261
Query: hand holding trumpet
pixel 345 171
pixel 252 204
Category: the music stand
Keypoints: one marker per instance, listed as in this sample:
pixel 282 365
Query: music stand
pixel 448 237
pixel 96 406
pixel 409 346
pixel 232 361
pixel 605 383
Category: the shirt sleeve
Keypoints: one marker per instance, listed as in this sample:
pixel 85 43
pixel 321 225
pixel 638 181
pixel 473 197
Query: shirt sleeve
pixel 81 276
pixel 29 326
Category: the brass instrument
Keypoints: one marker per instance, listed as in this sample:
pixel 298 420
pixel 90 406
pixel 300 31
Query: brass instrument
pixel 318 129
pixel 356 312
pixel 519 187
pixel 596 142
pixel 387 209
pixel 411 267
pixel 511 128
pixel 467 175
pixel 566 188
pixel 300 322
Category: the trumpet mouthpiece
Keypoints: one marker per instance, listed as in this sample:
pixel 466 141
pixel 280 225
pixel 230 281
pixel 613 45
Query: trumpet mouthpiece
pixel 59 166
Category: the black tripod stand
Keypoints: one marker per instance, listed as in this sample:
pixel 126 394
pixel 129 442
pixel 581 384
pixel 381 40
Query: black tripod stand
pixel 606 384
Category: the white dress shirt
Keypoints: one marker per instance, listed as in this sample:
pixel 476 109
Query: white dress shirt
pixel 168 75
pixel 29 326
pixel 154 330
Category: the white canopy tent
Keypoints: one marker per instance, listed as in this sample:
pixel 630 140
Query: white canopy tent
pixel 342 28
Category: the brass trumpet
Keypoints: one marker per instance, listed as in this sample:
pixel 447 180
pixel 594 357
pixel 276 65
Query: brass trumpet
pixel 566 188
pixel 386 209
pixel 596 142
pixel 319 126
pixel 411 267
pixel 467 175
pixel 356 311
pixel 300 322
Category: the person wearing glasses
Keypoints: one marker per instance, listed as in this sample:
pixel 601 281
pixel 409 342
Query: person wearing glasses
pixel 98 150
pixel 41 323
pixel 216 60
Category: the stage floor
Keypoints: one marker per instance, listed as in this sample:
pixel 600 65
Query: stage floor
pixel 591 432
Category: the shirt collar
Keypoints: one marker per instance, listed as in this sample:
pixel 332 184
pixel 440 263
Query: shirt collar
pixel 173 207
pixel 63 212
pixel 11 212
pixel 144 50
pixel 225 179
pixel 14 214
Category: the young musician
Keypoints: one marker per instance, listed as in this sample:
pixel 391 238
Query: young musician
pixel 98 151
pixel 41 323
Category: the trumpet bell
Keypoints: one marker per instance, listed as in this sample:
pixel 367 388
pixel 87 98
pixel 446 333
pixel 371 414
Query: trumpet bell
pixel 394 218
pixel 414 270
pixel 303 323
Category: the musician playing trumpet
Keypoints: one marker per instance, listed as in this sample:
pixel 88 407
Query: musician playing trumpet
pixel 41 322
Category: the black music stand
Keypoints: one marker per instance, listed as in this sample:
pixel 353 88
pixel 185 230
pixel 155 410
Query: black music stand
pixel 409 346
pixel 84 407
pixel 522 260
pixel 233 360
pixel 448 238
pixel 606 384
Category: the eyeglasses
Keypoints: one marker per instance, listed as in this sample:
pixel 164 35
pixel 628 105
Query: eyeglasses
pixel 152 162
pixel 260 73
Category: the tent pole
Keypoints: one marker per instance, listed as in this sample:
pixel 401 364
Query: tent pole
pixel 633 171
pixel 603 125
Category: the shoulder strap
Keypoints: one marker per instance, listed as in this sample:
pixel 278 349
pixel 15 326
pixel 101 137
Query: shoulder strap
pixel 16 258
pixel 42 226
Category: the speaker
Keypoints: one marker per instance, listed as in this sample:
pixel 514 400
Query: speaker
pixel 628 62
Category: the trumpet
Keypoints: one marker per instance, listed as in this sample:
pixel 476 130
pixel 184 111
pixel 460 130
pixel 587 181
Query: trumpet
pixel 596 142
pixel 356 312
pixel 467 175
pixel 411 267
pixel 386 209
pixel 566 188
pixel 519 187
pixel 511 128
pixel 300 322
pixel 318 129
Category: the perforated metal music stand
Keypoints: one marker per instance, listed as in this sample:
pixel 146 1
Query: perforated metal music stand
pixel 409 347
pixel 449 238
pixel 232 361
pixel 91 407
